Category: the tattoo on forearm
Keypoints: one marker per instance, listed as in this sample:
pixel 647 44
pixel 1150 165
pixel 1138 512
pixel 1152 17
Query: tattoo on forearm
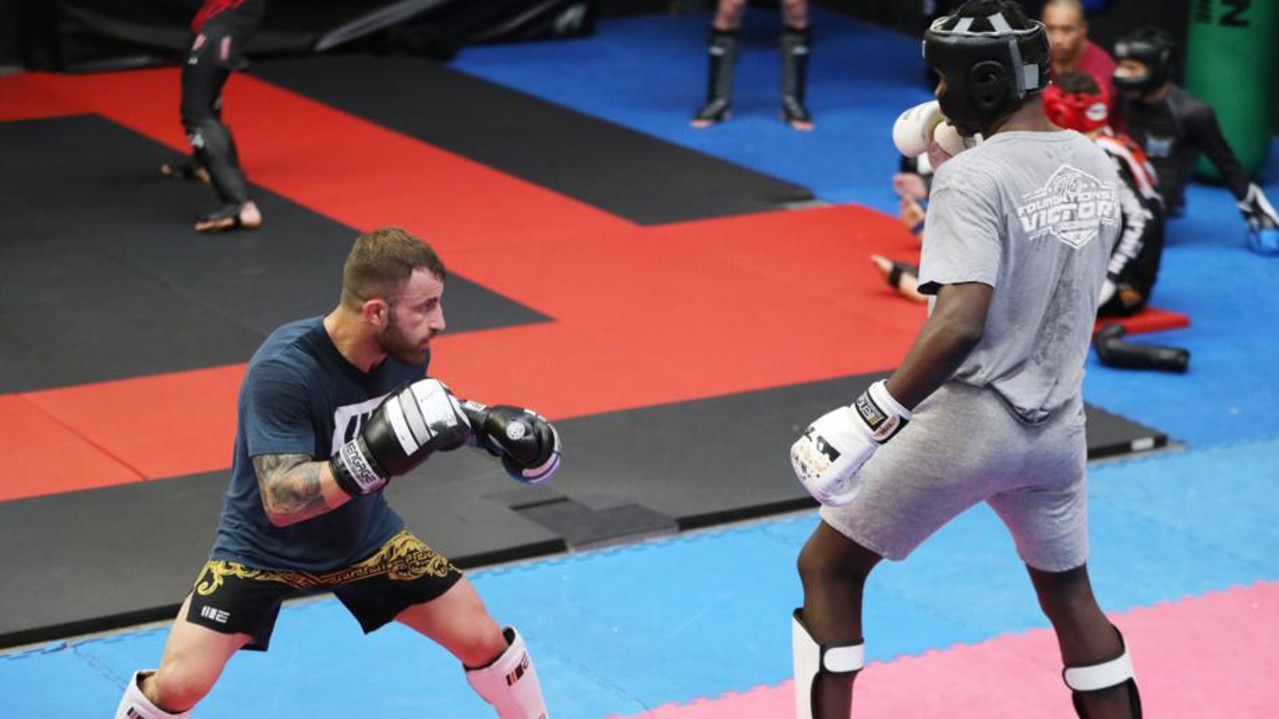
pixel 290 484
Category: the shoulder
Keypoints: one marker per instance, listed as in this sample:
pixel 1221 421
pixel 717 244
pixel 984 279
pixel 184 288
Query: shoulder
pixel 287 352
pixel 1096 60
pixel 289 342
pixel 1189 107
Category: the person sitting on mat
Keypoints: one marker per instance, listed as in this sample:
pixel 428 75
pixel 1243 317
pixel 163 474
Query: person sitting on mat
pixel 1173 127
pixel 221 28
pixel 331 409
pixel 1076 102
pixel 725 39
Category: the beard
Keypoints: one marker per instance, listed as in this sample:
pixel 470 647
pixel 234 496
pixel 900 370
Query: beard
pixel 396 344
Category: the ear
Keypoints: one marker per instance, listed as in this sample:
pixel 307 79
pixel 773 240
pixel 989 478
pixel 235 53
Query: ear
pixel 376 312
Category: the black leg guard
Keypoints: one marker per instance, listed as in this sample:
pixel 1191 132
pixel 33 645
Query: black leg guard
pixel 215 149
pixel 1114 352
pixel 1105 675
pixel 723 50
pixel 796 43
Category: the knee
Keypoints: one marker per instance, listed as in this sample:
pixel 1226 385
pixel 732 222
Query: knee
pixel 481 642
pixel 818 570
pixel 728 13
pixel 177 685
pixel 795 13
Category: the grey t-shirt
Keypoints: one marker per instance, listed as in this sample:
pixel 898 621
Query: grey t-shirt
pixel 1034 215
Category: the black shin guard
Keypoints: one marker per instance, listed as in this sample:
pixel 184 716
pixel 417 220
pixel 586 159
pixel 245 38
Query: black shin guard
pixel 1102 676
pixel 723 49
pixel 215 149
pixel 796 43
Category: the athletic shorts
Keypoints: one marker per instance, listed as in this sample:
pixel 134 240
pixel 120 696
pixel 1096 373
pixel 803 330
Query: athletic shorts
pixel 964 446
pixel 232 598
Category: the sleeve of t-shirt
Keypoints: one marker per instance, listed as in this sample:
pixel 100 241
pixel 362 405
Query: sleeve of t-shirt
pixel 962 237
pixel 277 411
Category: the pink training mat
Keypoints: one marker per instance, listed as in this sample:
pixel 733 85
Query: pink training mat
pixel 1210 656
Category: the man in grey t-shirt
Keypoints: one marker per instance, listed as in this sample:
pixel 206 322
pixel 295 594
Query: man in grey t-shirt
pixel 1020 231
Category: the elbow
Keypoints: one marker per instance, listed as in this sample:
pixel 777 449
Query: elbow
pixel 278 519
pixel 966 335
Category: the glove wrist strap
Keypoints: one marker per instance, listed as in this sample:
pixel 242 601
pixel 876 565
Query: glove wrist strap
pixel 883 415
pixel 355 471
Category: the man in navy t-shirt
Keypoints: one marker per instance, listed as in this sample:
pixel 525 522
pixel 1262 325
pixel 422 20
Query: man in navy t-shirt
pixel 330 410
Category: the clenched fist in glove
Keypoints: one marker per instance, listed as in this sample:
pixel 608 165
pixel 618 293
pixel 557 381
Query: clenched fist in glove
pixel 410 425
pixel 923 129
pixel 527 443
pixel 833 448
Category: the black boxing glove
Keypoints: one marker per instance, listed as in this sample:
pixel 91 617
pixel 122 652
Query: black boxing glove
pixel 526 441
pixel 410 425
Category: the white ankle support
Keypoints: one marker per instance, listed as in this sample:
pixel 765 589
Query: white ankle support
pixel 510 683
pixel 812 659
pixel 135 705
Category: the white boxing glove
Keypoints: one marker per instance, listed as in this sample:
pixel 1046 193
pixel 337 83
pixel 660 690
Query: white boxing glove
pixel 923 131
pixel 834 447
pixel 914 129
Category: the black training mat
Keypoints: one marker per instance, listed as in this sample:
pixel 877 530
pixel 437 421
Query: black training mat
pixel 627 173
pixel 150 295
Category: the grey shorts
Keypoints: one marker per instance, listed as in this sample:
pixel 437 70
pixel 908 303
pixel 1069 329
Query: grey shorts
pixel 965 446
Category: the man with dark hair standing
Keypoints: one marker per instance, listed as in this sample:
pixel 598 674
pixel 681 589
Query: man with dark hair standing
pixel 1014 256
pixel 331 409
pixel 1173 127
pixel 221 29
pixel 1069 46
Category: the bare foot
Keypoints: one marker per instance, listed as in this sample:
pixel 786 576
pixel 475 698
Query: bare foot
pixel 185 171
pixel 912 215
pixel 231 217
pixel 712 113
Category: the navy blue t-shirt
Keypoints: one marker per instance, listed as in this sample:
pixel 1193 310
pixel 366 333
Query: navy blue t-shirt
pixel 301 396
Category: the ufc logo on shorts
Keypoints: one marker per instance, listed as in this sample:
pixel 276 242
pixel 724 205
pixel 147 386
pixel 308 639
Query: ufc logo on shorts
pixel 214 614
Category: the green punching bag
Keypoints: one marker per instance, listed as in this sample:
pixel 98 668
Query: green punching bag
pixel 1231 63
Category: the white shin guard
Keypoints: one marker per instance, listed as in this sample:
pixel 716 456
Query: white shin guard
pixel 813 659
pixel 1104 675
pixel 510 683
pixel 135 705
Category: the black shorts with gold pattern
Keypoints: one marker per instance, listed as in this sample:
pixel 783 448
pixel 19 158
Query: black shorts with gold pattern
pixel 232 598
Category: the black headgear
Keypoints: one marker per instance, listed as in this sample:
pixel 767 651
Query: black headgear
pixel 1154 48
pixel 989 67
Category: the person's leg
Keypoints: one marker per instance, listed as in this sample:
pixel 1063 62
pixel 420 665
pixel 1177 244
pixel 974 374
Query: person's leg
pixel 796 47
pixel 722 49
pixel 1090 645
pixel 193 659
pixel 833 570
pixel 496 662
pixel 213 148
